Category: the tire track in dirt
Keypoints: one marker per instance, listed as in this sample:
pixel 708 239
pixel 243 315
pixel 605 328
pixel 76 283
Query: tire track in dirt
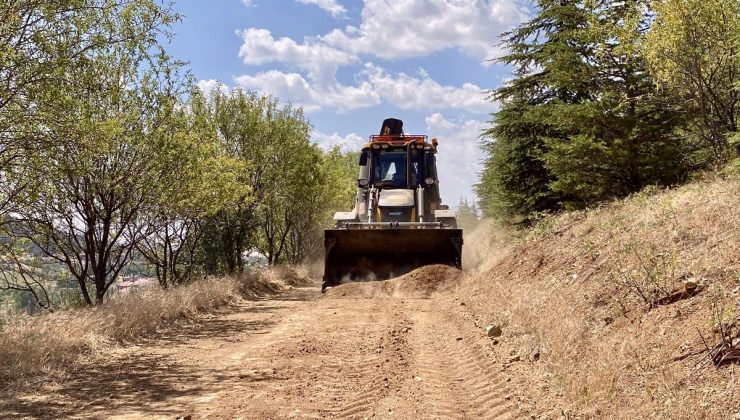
pixel 440 385
pixel 363 366
pixel 381 370
pixel 461 381
pixel 301 355
pixel 340 375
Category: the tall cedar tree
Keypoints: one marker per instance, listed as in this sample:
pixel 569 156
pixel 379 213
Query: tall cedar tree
pixel 581 121
pixel 547 69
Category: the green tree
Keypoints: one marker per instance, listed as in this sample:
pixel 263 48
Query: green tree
pixel 292 178
pixel 467 215
pixel 105 120
pixel 623 136
pixel 200 183
pixel 515 181
pixel 239 125
pixel 294 186
pixel 42 45
pixel 548 57
pixel 279 165
pixel 693 50
pixel 582 120
pixel 334 189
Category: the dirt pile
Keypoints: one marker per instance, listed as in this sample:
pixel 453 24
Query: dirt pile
pixel 423 282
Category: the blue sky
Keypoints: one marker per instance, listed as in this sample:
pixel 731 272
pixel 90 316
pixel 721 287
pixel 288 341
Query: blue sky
pixel 352 63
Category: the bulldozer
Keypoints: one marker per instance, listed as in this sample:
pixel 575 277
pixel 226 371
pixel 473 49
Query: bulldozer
pixel 398 222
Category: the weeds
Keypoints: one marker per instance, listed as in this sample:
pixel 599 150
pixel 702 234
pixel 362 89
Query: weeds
pixel 36 346
pixel 652 277
pixel 725 322
pixel 609 339
pixel 542 223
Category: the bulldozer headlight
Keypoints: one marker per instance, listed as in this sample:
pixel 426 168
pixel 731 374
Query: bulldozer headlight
pixel 385 146
pixel 419 146
pixel 429 181
pixel 376 146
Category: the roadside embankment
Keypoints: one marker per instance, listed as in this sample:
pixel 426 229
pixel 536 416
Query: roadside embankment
pixel 627 310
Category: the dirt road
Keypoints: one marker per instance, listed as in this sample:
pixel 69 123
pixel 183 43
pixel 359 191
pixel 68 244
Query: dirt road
pixel 300 354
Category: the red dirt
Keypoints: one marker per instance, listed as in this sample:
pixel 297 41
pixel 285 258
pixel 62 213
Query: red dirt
pixel 576 342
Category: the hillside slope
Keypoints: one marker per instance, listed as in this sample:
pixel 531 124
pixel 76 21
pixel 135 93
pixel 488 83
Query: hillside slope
pixel 594 305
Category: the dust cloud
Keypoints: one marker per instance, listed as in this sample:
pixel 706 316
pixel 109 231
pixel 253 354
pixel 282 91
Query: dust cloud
pixel 484 245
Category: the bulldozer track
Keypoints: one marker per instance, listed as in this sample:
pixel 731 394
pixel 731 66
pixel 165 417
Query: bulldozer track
pixel 462 381
pixel 300 355
pixel 370 367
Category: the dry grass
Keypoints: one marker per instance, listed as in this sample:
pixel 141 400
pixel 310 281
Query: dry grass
pixel 584 290
pixel 34 348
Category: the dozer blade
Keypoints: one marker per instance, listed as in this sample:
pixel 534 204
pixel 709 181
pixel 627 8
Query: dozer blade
pixel 379 254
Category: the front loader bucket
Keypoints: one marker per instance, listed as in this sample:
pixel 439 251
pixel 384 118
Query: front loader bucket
pixel 379 254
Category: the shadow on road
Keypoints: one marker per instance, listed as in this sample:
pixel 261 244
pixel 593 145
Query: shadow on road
pixel 144 383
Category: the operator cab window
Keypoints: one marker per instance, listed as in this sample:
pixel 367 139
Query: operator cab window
pixel 390 168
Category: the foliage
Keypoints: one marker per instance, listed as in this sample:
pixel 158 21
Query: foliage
pixel 85 128
pixel 515 180
pixel 109 153
pixel 582 120
pixel 200 182
pixel 692 49
pixel 293 185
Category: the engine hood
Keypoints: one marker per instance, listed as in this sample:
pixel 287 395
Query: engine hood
pixel 396 198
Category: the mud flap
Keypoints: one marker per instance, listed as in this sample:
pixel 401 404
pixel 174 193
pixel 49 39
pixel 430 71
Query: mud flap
pixel 379 254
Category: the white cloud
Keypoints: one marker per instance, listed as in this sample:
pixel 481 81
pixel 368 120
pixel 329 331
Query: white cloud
pixel 389 29
pixel 207 86
pixel 294 88
pixel 317 58
pixel 331 6
pixel 437 122
pixel 374 86
pixel 291 87
pixel 409 92
pixel 248 3
pixel 350 142
pixel 394 29
pixel 459 157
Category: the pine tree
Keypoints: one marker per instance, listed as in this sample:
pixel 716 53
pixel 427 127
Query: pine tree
pixel 547 70
pixel 467 215
pixel 582 120
pixel 622 134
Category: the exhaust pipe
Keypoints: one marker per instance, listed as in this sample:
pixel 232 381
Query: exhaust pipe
pixel 371 205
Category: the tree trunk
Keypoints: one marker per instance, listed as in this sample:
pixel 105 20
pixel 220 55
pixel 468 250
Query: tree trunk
pixel 85 292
